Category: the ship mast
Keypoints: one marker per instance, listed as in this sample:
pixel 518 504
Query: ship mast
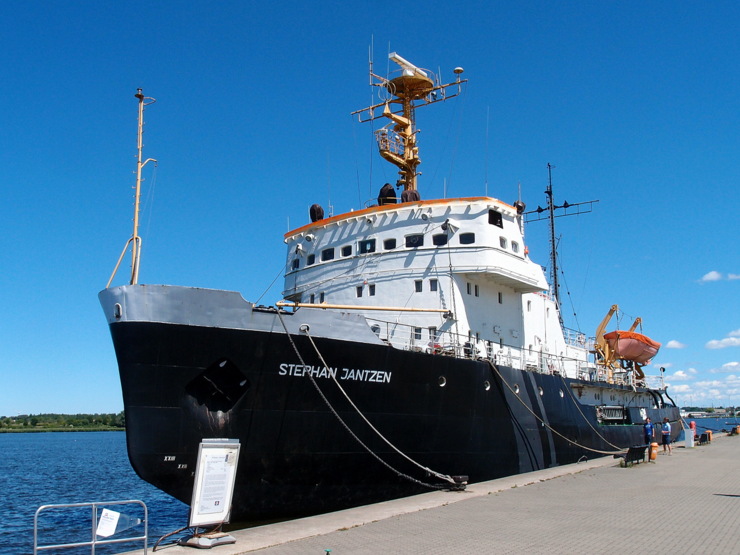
pixel 410 89
pixel 135 239
pixel 568 210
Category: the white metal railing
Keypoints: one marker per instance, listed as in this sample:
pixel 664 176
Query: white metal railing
pixel 95 522
pixel 408 337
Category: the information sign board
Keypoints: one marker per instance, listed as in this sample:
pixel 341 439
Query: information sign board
pixel 215 474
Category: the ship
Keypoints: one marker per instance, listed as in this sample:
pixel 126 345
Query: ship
pixel 416 346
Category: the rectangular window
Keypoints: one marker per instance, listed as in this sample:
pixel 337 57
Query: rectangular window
pixel 359 291
pixel 418 285
pixel 467 238
pixel 433 334
pixel 346 250
pixel 529 306
pixel 313 298
pixel 439 240
pixel 502 242
pixel 311 259
pixel 414 241
pixel 417 334
pixel 367 246
pixel 322 297
pixel 495 218
pixel 389 244
pixel 514 246
pixel 327 254
pixel 371 289
pixel 469 287
pixel 433 284
pixel 296 262
pixel 500 298
pixel 477 292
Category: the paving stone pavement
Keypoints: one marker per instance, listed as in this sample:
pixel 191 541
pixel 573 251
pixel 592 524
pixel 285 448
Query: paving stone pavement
pixel 688 502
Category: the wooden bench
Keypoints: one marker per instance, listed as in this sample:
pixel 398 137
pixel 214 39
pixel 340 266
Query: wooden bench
pixel 633 455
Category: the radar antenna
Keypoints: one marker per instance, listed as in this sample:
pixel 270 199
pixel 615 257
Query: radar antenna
pixel 410 87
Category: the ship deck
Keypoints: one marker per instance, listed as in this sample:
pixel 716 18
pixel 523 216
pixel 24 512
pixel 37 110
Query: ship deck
pixel 569 509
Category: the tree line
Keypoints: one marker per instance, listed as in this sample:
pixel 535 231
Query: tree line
pixel 62 422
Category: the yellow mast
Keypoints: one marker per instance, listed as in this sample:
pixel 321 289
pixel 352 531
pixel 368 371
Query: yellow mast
pixel 135 239
pixel 411 89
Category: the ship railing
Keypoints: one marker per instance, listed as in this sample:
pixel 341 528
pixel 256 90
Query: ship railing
pixel 448 343
pixel 389 141
pixel 105 523
pixel 577 338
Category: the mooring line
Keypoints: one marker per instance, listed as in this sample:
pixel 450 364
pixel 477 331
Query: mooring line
pixel 445 477
pixel 577 405
pixel 553 430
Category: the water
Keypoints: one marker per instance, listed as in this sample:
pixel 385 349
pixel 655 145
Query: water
pixel 714 424
pixel 75 467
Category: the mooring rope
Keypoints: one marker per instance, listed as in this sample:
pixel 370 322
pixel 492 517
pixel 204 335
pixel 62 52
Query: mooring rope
pixel 445 477
pixel 577 405
pixel 545 424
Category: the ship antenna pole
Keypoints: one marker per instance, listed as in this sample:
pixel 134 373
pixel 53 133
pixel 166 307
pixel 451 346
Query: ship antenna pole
pixel 553 248
pixel 135 238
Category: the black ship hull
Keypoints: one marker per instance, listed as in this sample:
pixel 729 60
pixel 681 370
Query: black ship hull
pixel 183 382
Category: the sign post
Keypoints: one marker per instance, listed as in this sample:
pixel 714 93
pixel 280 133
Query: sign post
pixel 215 475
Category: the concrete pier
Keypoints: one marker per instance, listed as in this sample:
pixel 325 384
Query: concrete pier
pixel 595 506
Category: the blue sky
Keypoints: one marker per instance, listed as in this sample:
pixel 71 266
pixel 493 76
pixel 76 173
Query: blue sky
pixel 634 103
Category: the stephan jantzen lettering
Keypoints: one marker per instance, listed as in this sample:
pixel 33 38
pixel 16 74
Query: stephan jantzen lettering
pixel 356 374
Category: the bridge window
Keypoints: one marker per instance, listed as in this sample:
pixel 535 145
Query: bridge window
pixel 327 254
pixel 346 250
pixel 515 246
pixel 467 238
pixel 389 244
pixel 296 262
pixel 495 218
pixel 367 246
pixel 439 240
pixel 503 242
pixel 311 259
pixel 414 241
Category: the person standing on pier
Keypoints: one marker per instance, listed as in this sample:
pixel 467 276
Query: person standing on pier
pixel 666 430
pixel 649 431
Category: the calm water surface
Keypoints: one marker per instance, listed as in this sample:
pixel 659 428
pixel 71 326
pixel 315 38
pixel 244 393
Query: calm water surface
pixel 76 467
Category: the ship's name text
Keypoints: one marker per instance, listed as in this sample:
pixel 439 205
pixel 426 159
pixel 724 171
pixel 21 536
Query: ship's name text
pixel 360 375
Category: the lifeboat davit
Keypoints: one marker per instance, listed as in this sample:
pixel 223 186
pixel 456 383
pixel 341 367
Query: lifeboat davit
pixel 629 345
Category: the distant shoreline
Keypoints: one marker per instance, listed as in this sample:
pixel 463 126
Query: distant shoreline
pixel 55 430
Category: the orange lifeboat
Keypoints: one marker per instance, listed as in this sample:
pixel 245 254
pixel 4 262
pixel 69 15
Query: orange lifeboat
pixel 629 345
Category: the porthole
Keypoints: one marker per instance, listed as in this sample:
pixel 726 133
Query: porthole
pixel 442 381
pixel 486 385
pixel 516 388
pixel 541 391
pixel 117 311
pixel 562 394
